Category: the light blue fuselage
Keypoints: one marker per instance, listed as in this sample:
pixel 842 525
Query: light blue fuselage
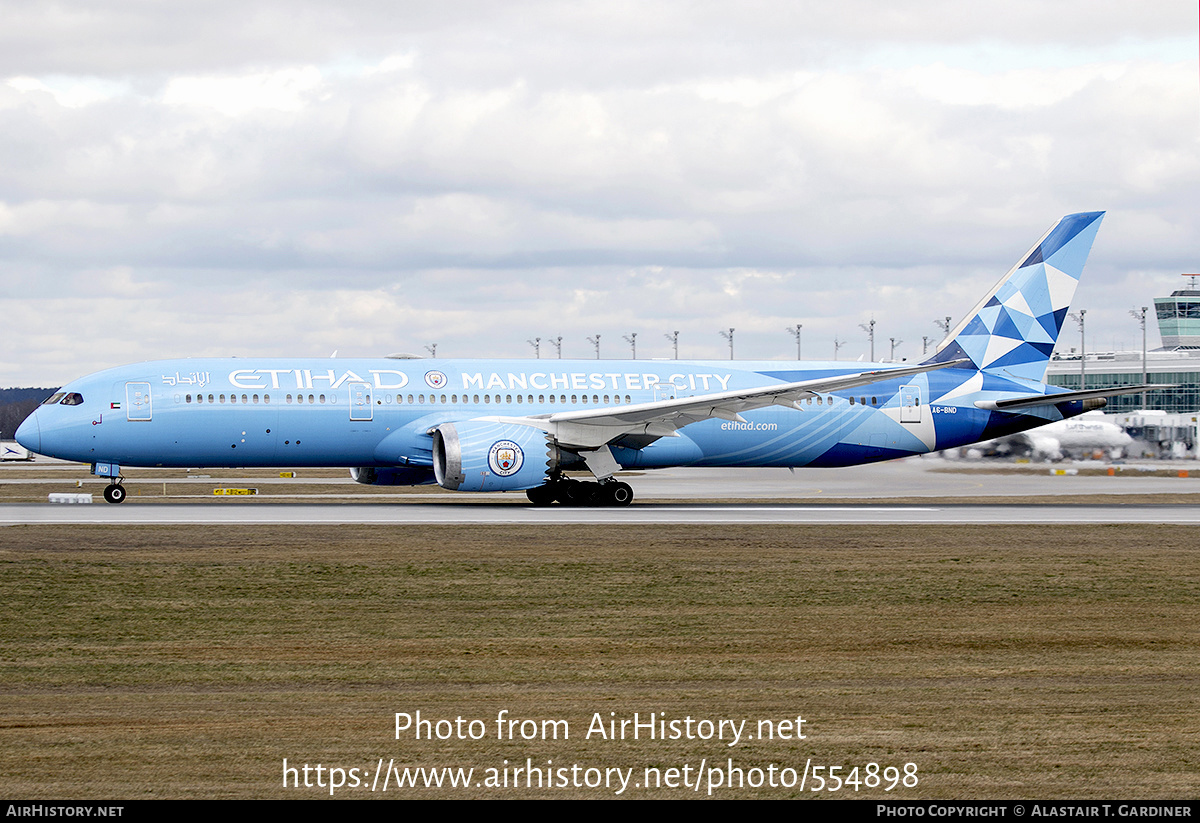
pixel 380 412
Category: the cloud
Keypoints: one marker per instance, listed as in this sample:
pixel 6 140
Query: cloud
pixel 295 178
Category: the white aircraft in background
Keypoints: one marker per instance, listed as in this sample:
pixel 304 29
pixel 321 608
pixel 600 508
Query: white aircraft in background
pixel 1082 436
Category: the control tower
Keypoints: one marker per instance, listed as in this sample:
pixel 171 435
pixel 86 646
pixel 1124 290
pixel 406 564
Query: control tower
pixel 1179 317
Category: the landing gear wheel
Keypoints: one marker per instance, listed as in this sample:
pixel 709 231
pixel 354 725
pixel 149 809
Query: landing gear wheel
pixel 542 495
pixel 574 492
pixel 114 493
pixel 618 494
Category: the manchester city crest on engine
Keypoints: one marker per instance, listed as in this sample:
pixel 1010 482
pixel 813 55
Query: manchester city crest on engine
pixel 505 458
pixel 435 380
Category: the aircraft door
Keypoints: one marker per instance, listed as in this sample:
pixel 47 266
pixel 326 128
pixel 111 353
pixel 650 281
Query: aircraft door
pixel 137 401
pixel 910 404
pixel 360 401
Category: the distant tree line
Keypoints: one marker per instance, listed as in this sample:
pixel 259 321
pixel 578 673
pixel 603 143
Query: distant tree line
pixel 16 405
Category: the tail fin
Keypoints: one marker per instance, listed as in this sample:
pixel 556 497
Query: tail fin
pixel 1015 327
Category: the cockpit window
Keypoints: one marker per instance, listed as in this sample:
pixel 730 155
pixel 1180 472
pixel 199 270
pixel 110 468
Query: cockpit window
pixel 52 399
pixel 73 399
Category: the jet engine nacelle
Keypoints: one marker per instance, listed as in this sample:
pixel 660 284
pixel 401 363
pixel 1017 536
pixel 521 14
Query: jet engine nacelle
pixel 483 455
pixel 392 475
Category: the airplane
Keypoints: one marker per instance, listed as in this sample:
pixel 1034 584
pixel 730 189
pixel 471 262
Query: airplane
pixel 521 425
pixel 1087 434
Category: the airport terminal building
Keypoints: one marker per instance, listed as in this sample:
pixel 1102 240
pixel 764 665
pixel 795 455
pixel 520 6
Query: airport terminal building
pixel 1175 364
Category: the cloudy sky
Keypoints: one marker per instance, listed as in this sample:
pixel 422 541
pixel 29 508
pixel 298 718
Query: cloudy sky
pixel 294 177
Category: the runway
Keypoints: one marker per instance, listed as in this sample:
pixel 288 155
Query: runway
pixel 676 496
pixel 647 514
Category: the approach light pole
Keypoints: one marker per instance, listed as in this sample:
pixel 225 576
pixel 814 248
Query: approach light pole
pixel 1078 317
pixel 537 346
pixel 557 343
pixel 795 332
pixel 895 343
pixel 595 341
pixel 631 339
pixel 432 349
pixel 944 325
pixel 674 338
pixel 729 336
pixel 924 345
pixel 1140 316
pixel 869 328
pixel 837 344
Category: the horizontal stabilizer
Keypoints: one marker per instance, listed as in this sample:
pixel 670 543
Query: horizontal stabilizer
pixel 1063 397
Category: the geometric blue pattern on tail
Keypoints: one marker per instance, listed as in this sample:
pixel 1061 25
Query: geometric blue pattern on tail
pixel 1016 326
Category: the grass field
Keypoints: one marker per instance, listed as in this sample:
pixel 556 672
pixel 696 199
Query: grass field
pixel 1005 662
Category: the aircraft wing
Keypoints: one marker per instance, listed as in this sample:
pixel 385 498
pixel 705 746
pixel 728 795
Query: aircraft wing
pixel 1063 397
pixel 593 428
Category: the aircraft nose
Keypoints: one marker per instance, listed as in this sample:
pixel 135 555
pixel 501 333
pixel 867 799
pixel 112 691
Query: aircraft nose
pixel 29 433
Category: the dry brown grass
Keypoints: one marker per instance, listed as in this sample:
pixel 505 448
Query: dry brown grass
pixel 1014 661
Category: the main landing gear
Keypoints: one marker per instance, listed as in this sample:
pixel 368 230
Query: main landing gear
pixel 571 492
pixel 115 493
